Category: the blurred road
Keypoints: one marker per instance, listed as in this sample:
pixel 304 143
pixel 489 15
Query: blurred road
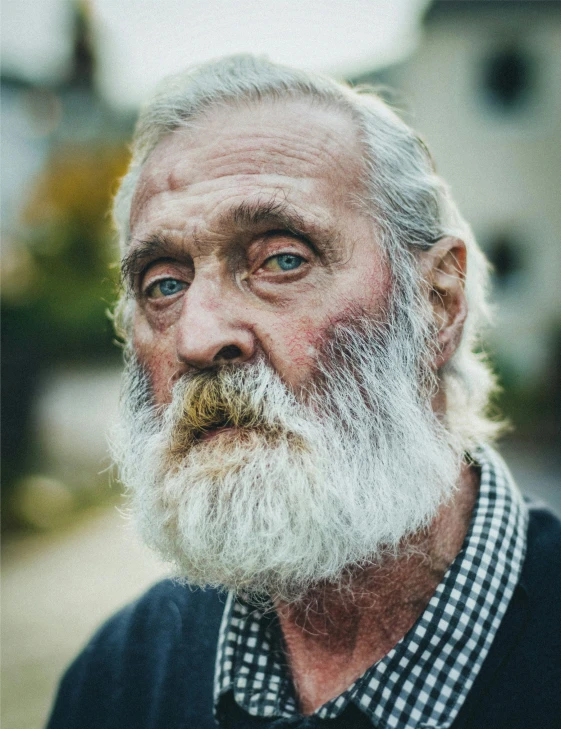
pixel 57 588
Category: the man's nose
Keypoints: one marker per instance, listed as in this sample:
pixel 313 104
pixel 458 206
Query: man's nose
pixel 212 329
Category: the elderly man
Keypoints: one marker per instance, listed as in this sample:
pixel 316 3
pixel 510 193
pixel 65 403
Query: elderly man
pixel 304 432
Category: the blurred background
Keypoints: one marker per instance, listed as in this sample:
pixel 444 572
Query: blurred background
pixel 480 80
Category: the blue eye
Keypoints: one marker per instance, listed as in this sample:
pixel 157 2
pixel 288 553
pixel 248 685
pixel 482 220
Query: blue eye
pixel 284 262
pixel 288 262
pixel 166 287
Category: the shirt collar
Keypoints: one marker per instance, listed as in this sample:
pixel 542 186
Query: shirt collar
pixel 424 680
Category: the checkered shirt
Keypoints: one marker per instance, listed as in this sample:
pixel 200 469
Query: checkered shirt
pixel 424 680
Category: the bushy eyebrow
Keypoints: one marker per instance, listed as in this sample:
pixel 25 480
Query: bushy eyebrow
pixel 134 261
pixel 252 214
pixel 281 215
pixel 240 218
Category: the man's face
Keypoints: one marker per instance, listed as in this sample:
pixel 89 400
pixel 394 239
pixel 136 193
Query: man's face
pixel 248 243
pixel 299 438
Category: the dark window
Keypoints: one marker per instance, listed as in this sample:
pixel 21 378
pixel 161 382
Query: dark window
pixel 508 79
pixel 505 256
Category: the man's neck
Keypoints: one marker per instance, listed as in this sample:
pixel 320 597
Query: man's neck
pixel 335 634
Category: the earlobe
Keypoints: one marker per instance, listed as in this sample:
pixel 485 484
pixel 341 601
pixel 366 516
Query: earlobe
pixel 444 270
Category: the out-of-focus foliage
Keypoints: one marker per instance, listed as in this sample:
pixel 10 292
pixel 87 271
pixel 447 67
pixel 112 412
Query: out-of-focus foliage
pixel 64 282
pixel 65 149
pixel 58 284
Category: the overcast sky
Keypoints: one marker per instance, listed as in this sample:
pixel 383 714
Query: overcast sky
pixel 140 41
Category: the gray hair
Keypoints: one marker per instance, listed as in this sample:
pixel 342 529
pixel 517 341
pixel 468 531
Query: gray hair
pixel 408 202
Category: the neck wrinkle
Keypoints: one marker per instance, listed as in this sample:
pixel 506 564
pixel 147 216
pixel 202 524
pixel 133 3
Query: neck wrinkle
pixel 336 633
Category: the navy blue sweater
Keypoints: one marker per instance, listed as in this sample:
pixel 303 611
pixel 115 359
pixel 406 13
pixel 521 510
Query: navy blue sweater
pixel 151 666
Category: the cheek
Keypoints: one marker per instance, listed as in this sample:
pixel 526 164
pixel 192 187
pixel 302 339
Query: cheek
pixel 372 290
pixel 158 355
pixel 292 342
pixel 294 346
pixel 301 347
pixel 291 346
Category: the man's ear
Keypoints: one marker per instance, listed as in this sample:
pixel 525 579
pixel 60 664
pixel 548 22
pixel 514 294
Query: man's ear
pixel 444 270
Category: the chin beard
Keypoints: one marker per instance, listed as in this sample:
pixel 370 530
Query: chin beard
pixel 242 485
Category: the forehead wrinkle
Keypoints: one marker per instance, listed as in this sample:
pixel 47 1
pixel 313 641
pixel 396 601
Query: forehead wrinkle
pixel 263 154
pixel 329 141
pixel 189 160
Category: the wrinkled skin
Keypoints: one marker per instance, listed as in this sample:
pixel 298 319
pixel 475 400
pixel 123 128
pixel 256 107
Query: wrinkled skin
pixel 294 170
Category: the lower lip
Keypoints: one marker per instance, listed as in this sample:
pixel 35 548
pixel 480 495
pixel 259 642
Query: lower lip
pixel 210 434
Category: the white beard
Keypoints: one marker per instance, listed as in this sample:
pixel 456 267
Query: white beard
pixel 336 482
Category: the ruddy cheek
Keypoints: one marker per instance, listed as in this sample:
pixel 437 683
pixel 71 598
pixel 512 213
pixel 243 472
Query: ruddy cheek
pixel 161 364
pixel 377 286
pixel 293 358
pixel 164 374
pixel 302 349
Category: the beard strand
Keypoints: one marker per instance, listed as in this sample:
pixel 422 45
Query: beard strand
pixel 298 492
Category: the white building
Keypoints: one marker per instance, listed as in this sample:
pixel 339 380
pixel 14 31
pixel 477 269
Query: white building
pixel 484 90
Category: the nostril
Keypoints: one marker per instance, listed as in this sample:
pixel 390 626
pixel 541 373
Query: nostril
pixel 228 353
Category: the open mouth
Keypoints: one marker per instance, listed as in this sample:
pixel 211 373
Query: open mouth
pixel 214 427
pixel 211 433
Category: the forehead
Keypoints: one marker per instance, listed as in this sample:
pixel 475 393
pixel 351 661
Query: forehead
pixel 283 149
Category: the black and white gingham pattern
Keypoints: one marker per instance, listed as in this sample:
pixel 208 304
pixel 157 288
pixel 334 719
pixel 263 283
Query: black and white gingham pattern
pixel 424 680
pixel 250 660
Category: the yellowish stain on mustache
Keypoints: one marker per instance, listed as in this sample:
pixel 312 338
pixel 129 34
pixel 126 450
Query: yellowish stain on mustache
pixel 212 402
